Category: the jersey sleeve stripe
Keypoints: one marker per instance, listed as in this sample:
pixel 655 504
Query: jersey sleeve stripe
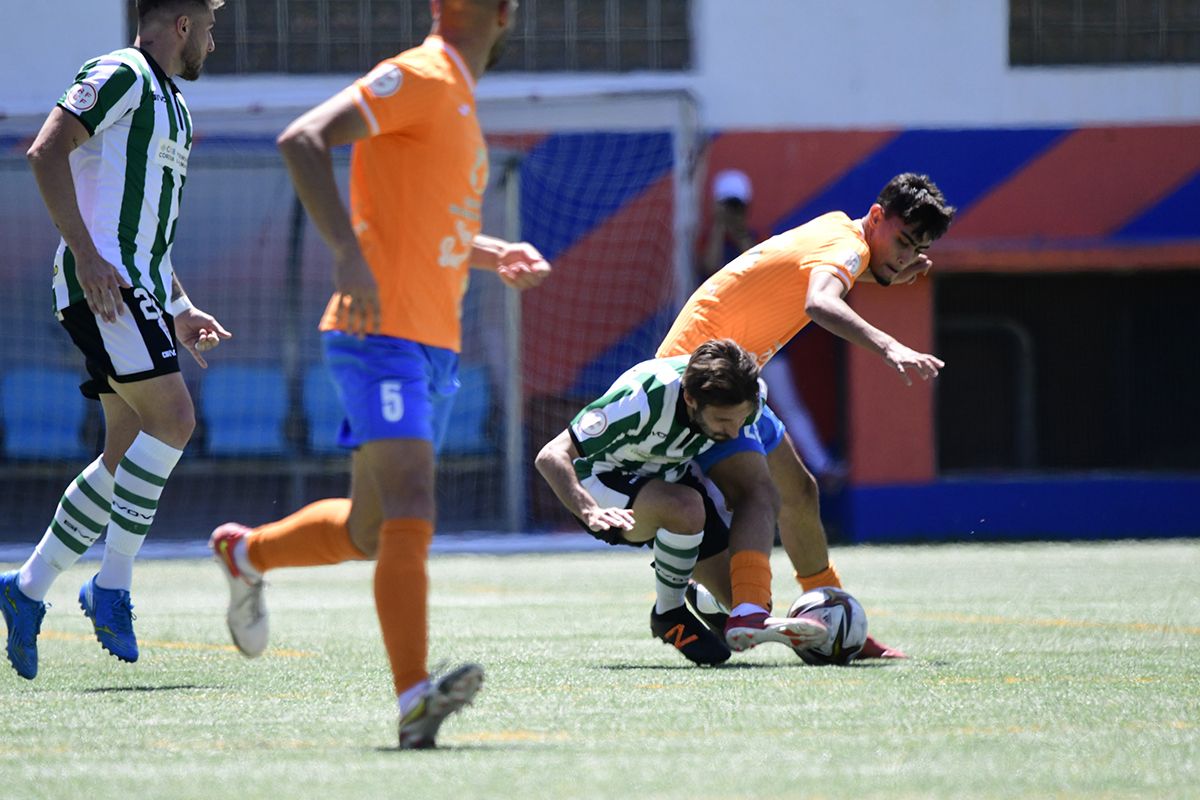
pixel 365 110
pixel 840 273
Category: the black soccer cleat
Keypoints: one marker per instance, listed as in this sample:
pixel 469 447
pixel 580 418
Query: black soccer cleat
pixel 680 628
pixel 715 620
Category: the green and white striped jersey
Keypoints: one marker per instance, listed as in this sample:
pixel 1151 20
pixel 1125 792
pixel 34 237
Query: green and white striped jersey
pixel 641 424
pixel 129 176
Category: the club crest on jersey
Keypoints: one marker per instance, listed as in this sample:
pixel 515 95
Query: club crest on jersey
pixel 384 80
pixel 593 423
pixel 82 97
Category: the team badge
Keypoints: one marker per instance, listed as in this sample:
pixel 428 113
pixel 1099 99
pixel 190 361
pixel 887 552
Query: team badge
pixel 593 423
pixel 384 80
pixel 82 97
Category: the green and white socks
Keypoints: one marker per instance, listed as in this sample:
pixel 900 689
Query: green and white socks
pixel 81 516
pixel 675 556
pixel 138 484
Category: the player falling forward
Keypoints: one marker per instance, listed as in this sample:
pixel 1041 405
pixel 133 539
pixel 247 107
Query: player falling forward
pixel 110 161
pixel 761 300
pixel 622 467
pixel 391 337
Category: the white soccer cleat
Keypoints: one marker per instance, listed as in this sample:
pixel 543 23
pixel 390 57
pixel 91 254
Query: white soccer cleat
pixel 444 696
pixel 750 630
pixel 247 614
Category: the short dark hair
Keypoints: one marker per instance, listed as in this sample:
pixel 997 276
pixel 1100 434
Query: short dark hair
pixel 919 202
pixel 147 7
pixel 721 373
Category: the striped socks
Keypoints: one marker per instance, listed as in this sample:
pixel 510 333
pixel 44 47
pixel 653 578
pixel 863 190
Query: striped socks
pixel 675 557
pixel 139 482
pixel 81 516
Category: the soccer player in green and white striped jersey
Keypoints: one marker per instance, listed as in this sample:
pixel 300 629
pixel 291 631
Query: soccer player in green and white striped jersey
pixel 622 467
pixel 111 164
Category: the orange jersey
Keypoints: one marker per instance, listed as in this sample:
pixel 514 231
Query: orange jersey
pixel 416 190
pixel 758 298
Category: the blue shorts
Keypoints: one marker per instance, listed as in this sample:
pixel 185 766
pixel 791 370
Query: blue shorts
pixel 390 388
pixel 761 437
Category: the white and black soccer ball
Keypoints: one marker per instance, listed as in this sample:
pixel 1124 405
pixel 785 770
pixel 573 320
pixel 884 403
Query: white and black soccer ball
pixel 845 618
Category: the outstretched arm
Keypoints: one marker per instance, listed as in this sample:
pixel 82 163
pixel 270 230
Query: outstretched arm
pixel 827 307
pixel 519 264
pixel 554 462
pixel 306 147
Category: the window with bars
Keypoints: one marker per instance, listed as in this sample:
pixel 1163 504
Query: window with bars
pixel 1096 32
pixel 322 36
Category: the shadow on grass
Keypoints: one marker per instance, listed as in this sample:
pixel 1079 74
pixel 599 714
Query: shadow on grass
pixel 464 748
pixel 871 664
pixel 686 667
pixel 171 688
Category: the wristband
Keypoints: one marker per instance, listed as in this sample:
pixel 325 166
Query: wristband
pixel 177 305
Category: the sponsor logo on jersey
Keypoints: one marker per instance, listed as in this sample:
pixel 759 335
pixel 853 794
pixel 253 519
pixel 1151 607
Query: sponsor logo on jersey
pixel 168 354
pixel 384 80
pixel 82 97
pixel 172 155
pixel 593 423
pixel 852 262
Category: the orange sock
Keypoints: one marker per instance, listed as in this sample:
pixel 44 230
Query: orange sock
pixel 826 577
pixel 401 597
pixel 314 535
pixel 750 575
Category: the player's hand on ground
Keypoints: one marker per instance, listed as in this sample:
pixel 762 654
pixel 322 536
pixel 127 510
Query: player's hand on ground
pixel 914 270
pixel 101 284
pixel 358 295
pixel 602 519
pixel 199 332
pixel 909 362
pixel 522 266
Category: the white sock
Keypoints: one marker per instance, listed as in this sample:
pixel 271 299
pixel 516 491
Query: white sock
pixel 81 516
pixel 138 484
pixel 409 697
pixel 706 603
pixel 747 609
pixel 675 557
pixel 241 557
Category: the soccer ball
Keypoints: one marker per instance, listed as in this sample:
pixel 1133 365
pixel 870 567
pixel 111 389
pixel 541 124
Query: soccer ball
pixel 845 618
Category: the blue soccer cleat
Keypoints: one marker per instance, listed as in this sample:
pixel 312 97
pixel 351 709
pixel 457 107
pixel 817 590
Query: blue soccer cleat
pixel 111 613
pixel 24 620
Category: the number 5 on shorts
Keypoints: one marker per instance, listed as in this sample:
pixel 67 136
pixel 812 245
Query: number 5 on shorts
pixel 391 401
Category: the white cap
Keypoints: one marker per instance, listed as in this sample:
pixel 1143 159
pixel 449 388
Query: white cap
pixel 732 184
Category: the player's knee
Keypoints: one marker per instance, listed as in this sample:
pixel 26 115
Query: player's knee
pixel 802 493
pixel 764 496
pixel 691 513
pixel 681 510
pixel 364 535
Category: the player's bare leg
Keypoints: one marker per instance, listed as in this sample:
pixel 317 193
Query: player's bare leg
pixel 803 534
pixel 745 482
pixel 394 484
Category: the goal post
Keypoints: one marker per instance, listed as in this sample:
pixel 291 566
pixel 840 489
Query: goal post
pixel 601 183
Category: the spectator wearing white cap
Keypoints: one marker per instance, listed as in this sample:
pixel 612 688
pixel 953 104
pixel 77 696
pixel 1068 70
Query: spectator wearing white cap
pixel 730 235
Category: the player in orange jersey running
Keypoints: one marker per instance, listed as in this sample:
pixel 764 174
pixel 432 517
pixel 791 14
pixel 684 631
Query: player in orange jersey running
pixel 391 333
pixel 761 300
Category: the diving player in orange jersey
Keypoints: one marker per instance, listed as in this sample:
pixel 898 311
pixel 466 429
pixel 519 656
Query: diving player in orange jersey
pixel 761 300
pixel 391 334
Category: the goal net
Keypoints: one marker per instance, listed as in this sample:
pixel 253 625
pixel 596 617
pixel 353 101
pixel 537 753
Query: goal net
pixel 601 184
